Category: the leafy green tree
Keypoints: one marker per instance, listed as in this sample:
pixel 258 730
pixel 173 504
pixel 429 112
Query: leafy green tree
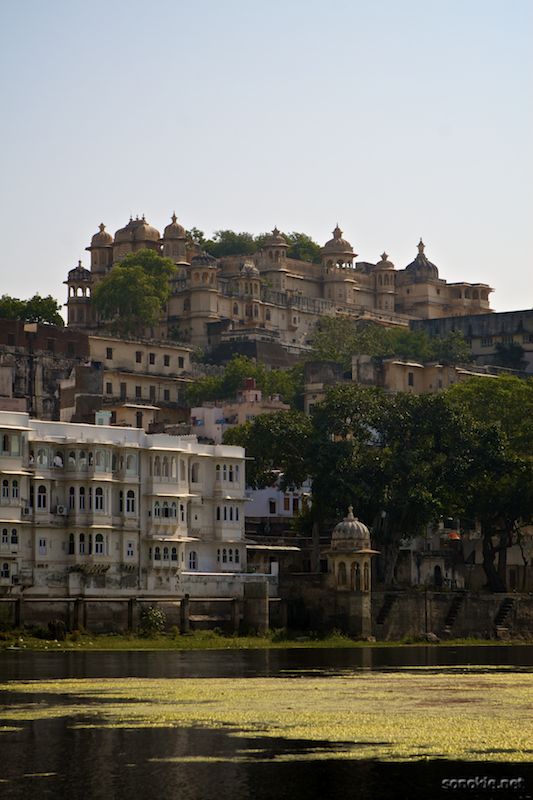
pixel 286 383
pixel 230 243
pixel 505 401
pixel 134 292
pixel 302 247
pixel 511 356
pixel 36 309
pixel 196 236
pixel 275 442
pixel 339 338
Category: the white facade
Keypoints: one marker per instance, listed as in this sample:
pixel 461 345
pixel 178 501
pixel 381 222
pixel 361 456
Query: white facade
pixel 93 509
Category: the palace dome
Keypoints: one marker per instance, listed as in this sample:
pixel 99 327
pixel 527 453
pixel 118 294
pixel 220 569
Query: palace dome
pixel 276 239
pixel 338 245
pixel 174 230
pixel 102 238
pixel 79 273
pixel 203 259
pixel 422 266
pixel 137 230
pixel 384 264
pixel 350 534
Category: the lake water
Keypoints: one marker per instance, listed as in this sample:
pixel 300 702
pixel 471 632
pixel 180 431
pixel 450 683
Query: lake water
pixel 50 758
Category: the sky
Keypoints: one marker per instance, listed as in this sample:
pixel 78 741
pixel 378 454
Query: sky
pixel 398 119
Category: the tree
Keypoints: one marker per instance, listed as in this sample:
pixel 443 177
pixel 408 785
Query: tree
pixel 499 490
pixel 132 295
pixel 230 243
pixel 37 309
pixel 339 338
pixel 510 355
pixel 275 442
pixel 302 247
pixel 286 383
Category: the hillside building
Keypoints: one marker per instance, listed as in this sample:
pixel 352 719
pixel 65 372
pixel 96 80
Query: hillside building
pixel 94 509
pixel 270 297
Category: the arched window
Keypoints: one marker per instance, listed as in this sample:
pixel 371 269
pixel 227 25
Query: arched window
pixel 165 467
pixel 5 489
pixel 225 472
pixel 235 309
pixel 237 556
pixel 71 544
pixel 230 555
pixel 99 499
pixel 130 463
pixel 182 512
pixel 82 498
pixel 218 513
pixel 42 501
pixel 99 544
pixel 99 458
pixel 91 458
pixel 14 536
pixel 218 555
pixel 357 584
pixel 173 510
pixel 174 554
pixel 165 553
pixel 366 578
pixel 15 489
pixel 42 457
pixel 224 556
pixel 231 513
pixel 130 502
pixel 5 443
pixel 5 570
pixel 172 467
pixel 157 554
pixel 182 470
pixel 341 574
pixel 165 509
pixel 157 466
pixel 120 502
pixel 236 513
pixel 83 459
pixel 217 472
pixel 157 509
pixel 225 513
pixel 82 544
pixel 193 560
pixel 195 472
pixel 5 536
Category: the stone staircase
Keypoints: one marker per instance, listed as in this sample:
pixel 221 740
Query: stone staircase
pixel 502 618
pixel 453 613
pixel 385 609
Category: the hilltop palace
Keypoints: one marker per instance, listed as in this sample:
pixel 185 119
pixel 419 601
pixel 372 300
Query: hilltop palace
pixel 268 296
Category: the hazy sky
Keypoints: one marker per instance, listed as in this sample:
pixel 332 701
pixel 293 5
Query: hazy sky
pixel 396 118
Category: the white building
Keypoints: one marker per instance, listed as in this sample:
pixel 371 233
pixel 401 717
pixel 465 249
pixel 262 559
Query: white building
pixel 94 509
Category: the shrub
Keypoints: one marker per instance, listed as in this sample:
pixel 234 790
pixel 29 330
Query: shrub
pixel 152 620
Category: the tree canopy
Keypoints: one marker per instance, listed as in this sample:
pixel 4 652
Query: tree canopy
pixel 231 243
pixel 133 293
pixel 36 309
pixel 339 338
pixel 404 461
pixel 286 383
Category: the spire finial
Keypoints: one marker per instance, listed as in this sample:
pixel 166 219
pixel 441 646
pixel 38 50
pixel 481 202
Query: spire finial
pixel 337 233
pixel 174 217
pixel 350 513
pixel 384 256
pixel 421 246
pixel 101 227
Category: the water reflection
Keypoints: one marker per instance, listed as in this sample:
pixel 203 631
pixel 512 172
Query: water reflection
pixel 25 665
